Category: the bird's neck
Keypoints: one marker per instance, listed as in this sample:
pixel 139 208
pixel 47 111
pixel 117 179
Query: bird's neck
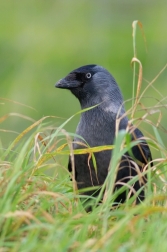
pixel 103 107
pixel 97 126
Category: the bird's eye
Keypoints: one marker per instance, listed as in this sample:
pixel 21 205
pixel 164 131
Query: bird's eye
pixel 88 75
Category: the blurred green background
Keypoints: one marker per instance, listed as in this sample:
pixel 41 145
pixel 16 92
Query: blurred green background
pixel 42 41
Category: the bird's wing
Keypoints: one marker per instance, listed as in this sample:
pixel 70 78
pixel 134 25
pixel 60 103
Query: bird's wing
pixel 69 165
pixel 141 151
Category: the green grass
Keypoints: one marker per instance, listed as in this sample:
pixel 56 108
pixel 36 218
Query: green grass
pixel 40 208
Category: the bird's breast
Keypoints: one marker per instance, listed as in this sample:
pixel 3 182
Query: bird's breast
pixel 96 129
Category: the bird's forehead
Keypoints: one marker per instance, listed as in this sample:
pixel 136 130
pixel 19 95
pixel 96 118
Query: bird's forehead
pixel 84 69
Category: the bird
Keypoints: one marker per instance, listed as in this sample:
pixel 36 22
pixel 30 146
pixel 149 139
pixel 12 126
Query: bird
pixel 96 88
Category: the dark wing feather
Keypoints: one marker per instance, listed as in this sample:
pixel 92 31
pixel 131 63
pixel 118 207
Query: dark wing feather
pixel 142 151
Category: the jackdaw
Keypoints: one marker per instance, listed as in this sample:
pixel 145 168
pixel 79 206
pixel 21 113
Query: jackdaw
pixel 94 85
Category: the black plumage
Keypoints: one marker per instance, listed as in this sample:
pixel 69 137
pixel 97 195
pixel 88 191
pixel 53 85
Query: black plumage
pixel 92 85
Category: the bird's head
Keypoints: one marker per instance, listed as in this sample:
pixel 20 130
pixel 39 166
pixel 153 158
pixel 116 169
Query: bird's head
pixel 93 84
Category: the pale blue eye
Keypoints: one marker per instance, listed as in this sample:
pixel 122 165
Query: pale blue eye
pixel 88 75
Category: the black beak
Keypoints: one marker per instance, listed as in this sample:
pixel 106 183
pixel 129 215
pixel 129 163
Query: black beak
pixel 67 84
pixel 62 84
